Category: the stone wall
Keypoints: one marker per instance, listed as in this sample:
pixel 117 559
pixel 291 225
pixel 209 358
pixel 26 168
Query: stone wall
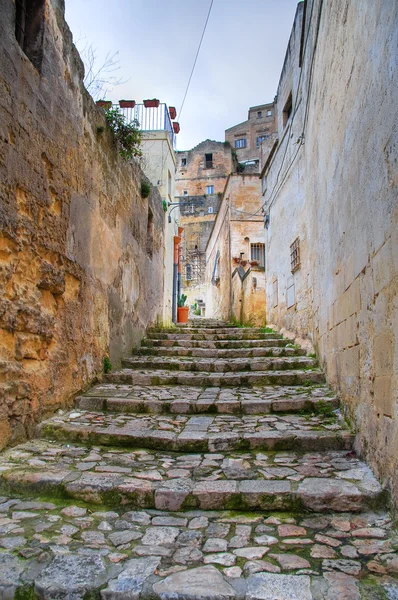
pixel 81 253
pixel 195 175
pixel 337 194
pixel 259 124
pixel 239 224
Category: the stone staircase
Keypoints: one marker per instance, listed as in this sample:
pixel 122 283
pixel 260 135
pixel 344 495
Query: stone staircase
pixel 215 464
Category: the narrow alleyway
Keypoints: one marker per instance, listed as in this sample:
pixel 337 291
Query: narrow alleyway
pixel 213 465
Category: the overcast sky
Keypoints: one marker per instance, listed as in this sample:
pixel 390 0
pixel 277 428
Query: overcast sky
pixel 238 66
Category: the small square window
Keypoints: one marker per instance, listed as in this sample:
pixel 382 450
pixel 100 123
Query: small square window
pixel 210 210
pixel 260 139
pixel 241 143
pixel 208 161
pixel 183 162
pixel 269 113
pixel 259 114
pixel 210 189
pixel 185 192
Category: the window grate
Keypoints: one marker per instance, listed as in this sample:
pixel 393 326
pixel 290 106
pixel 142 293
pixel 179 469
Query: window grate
pixel 295 255
pixel 257 252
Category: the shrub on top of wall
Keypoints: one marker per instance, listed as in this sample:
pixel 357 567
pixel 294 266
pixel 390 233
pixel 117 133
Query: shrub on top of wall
pixel 127 134
pixel 145 189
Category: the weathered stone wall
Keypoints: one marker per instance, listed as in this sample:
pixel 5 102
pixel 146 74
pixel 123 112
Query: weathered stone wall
pixel 259 124
pixel 81 253
pixel 196 174
pixel 337 193
pixel 239 224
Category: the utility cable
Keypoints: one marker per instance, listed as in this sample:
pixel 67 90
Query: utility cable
pixel 196 58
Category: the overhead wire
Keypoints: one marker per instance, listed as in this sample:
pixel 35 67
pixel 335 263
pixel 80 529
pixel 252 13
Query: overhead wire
pixel 196 58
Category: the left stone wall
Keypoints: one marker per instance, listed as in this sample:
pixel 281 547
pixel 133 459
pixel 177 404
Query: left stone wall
pixel 81 253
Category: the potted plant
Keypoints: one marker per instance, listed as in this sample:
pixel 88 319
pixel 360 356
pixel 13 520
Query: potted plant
pixel 106 104
pixel 236 259
pixel 126 103
pixel 182 309
pixel 254 263
pixel 176 127
pixel 173 112
pixel 154 103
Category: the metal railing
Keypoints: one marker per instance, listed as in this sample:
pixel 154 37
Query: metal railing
pixel 151 119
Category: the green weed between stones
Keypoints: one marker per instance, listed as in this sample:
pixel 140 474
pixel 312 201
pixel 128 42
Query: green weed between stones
pixel 107 365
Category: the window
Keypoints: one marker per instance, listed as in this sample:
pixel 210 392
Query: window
pixel 29 29
pixel 210 189
pixel 269 113
pixel 295 255
pixel 185 192
pixel 287 111
pixel 259 114
pixel 260 139
pixel 208 161
pixel 183 162
pixel 241 143
pixel 149 234
pixel 210 210
pixel 257 252
pixel 188 272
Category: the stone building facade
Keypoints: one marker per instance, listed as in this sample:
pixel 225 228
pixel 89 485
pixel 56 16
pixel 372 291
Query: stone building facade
pixel 330 192
pixel 246 138
pixel 81 252
pixel 200 180
pixel 235 267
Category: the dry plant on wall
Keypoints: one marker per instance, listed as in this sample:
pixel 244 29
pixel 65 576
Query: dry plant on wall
pixel 99 78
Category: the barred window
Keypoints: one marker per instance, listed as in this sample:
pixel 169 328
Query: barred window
pixel 257 252
pixel 188 272
pixel 295 255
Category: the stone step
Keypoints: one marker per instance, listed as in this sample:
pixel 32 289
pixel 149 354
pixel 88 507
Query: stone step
pixel 231 365
pixel 202 433
pixel 240 334
pixel 195 400
pixel 222 344
pixel 204 379
pixel 64 551
pixel 219 344
pixel 219 352
pixel 216 330
pixel 324 481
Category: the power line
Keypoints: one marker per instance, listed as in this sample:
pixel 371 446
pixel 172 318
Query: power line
pixel 196 58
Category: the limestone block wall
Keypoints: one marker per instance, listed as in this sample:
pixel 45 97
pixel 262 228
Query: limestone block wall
pixel 239 224
pixel 337 192
pixel 194 174
pixel 81 253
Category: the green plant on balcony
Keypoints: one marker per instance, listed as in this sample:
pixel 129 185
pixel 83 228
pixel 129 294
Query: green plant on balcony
pixel 127 134
pixel 181 300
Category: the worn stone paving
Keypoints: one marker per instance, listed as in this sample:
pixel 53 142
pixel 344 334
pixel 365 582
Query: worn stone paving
pixel 53 549
pixel 323 480
pixel 130 495
pixel 191 399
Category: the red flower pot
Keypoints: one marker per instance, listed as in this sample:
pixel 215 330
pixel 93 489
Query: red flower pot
pixel 154 103
pixel 126 103
pixel 106 104
pixel 173 112
pixel 176 127
pixel 182 314
pixel 254 263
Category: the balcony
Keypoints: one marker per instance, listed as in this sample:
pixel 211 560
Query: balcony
pixel 151 119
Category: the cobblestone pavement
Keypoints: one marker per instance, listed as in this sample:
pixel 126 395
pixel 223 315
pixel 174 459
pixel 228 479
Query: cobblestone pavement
pixel 183 492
